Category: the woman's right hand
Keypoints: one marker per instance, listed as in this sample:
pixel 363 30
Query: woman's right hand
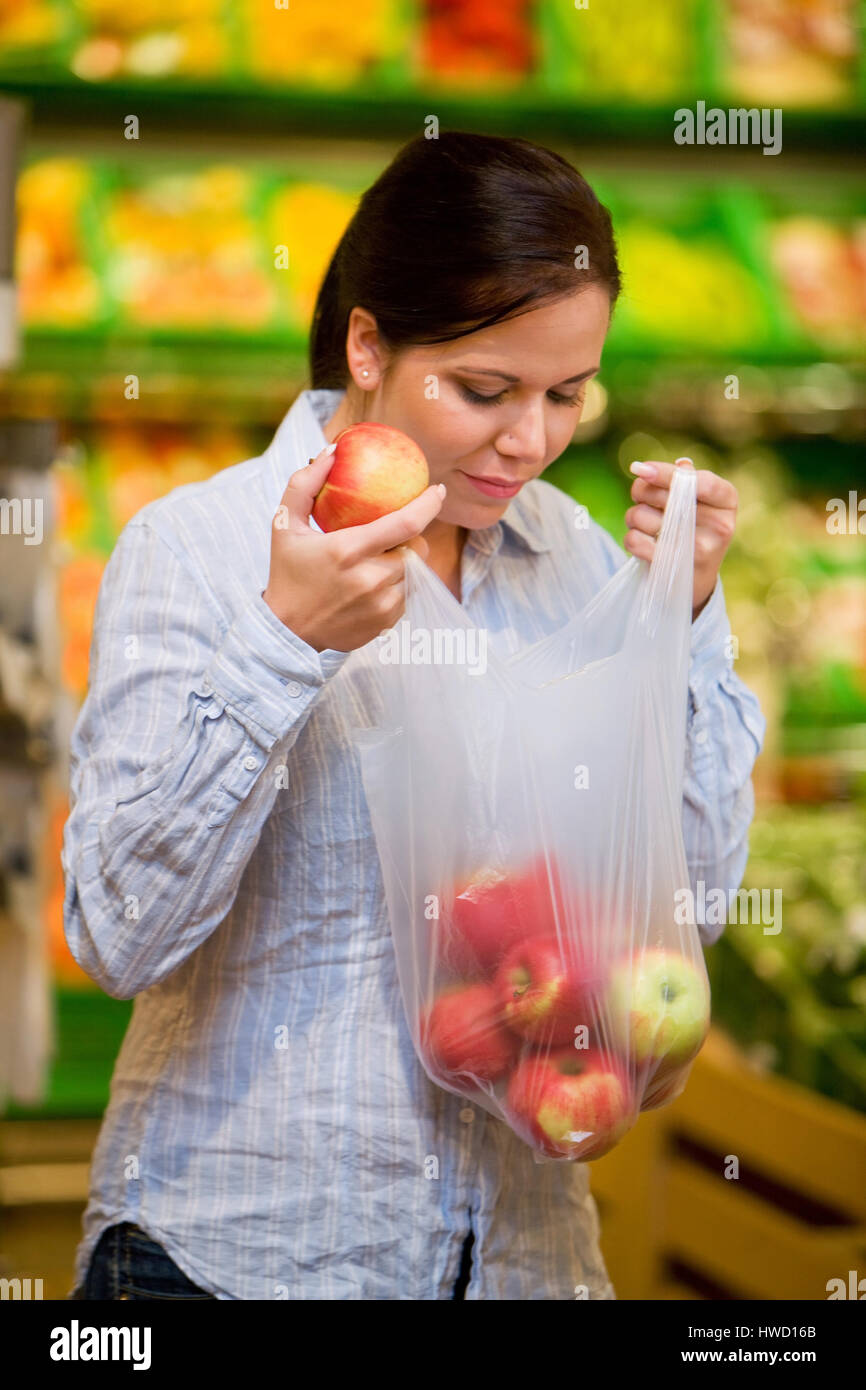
pixel 340 589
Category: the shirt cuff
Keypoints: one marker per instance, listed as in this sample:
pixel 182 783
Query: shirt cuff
pixel 266 675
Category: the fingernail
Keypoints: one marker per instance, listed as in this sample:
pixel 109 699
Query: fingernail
pixel 643 470
pixel 690 462
pixel 330 449
pixel 443 489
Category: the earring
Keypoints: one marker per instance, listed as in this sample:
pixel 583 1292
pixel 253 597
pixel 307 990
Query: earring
pixel 364 372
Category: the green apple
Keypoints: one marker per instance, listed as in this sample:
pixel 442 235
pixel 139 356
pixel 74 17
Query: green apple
pixel 659 1008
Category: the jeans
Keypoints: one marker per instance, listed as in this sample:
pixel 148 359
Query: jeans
pixel 462 1280
pixel 126 1263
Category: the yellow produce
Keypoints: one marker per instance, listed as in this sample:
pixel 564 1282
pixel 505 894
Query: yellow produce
pixel 686 291
pixel 308 219
pixel 326 44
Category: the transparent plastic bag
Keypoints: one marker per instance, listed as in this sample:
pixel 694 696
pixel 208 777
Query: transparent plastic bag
pixel 527 810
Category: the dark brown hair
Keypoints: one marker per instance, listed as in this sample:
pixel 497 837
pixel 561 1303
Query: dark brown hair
pixel 458 233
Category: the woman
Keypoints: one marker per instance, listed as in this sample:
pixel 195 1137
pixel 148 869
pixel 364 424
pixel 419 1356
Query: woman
pixel 270 1128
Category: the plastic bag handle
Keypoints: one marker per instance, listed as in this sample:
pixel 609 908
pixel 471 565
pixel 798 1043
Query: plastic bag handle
pixel 670 582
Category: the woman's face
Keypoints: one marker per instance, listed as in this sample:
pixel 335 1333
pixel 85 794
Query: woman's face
pixel 501 403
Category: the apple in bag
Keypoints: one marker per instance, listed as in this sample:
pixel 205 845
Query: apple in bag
pixel 494 908
pixel 462 1035
pixel 569 1102
pixel 659 1008
pixel 546 990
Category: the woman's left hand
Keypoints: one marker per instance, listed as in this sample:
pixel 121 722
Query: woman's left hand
pixel 714 522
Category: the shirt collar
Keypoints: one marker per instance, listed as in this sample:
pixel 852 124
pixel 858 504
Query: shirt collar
pixel 300 437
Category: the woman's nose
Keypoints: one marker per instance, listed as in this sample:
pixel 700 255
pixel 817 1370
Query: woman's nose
pixel 524 438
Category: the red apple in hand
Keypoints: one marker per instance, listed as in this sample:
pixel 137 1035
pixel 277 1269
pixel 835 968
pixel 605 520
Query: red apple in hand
pixel 543 992
pixel 375 470
pixel 493 909
pixel 569 1102
pixel 463 1033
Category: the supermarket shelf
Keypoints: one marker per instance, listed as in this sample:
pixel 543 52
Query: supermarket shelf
pixel 372 112
pixel 81 377
pixel 26 1184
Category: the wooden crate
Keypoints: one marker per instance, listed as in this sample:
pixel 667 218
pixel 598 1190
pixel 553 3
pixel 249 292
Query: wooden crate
pixel 674 1226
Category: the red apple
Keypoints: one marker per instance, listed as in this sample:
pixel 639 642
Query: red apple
pixel 544 992
pixel 463 1032
pixel 569 1102
pixel 374 471
pixel 493 909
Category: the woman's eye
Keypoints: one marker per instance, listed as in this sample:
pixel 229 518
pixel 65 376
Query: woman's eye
pixel 475 398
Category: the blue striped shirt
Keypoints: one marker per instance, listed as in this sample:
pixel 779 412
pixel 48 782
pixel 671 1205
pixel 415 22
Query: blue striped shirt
pixel 269 1123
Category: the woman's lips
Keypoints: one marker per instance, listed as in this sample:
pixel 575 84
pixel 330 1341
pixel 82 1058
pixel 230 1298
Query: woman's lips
pixel 493 489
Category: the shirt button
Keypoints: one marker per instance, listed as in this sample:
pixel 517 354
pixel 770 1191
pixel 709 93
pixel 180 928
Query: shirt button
pixel 467 1115
pixel 701 736
pixel 293 688
pixel 251 764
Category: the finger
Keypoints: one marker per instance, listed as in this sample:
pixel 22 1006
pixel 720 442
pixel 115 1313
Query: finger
pixel 721 519
pixel 644 518
pixel 657 496
pixel 397 528
pixel 651 493
pixel 639 544
pixel 716 491
pixel 387 569
pixel 304 486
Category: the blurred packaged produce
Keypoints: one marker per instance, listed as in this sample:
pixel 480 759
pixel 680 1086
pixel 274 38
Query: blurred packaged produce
pixel 33 28
pixel 770 52
pixel 152 39
pixel 57 249
pixel 307 217
pixel 200 248
pixel 822 268
pixel 183 250
pixel 631 51
pixel 333 45
pixel 792 52
pixel 796 997
pixel 472 41
pixel 186 247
